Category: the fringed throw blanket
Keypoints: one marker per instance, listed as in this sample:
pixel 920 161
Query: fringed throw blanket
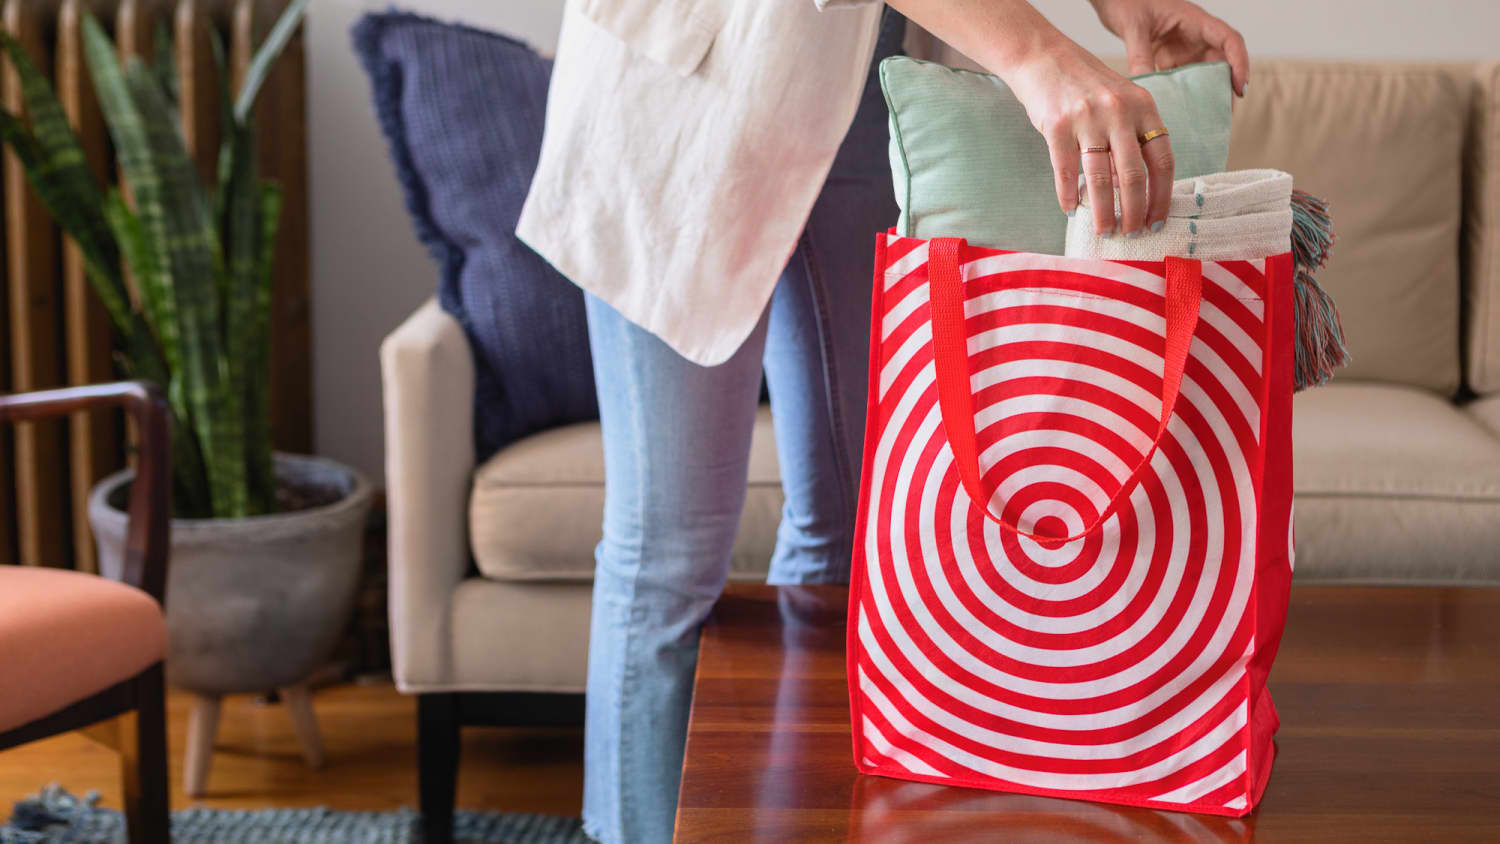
pixel 1241 215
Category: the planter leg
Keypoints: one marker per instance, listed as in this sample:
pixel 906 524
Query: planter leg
pixel 203 727
pixel 299 705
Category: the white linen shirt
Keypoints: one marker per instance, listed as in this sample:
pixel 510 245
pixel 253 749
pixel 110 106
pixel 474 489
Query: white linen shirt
pixel 685 144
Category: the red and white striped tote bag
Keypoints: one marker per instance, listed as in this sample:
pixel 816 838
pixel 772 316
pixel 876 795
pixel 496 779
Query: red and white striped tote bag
pixel 1074 545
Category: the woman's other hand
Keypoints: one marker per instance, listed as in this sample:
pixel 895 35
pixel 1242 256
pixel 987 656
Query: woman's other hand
pixel 1163 34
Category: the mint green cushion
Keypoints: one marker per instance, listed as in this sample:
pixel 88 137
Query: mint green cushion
pixel 968 163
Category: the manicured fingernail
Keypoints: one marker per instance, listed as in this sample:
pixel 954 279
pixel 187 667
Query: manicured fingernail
pixel 1133 235
pixel 1156 226
pixel 1072 211
pixel 1245 88
pixel 1107 235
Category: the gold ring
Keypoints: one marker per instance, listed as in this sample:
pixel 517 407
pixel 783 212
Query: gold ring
pixel 1096 149
pixel 1153 135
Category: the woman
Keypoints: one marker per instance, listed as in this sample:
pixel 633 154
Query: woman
pixel 691 147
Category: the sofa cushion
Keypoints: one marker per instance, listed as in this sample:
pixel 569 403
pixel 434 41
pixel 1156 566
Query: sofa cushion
pixel 1394 485
pixel 1482 231
pixel 1383 143
pixel 1487 412
pixel 536 507
pixel 65 636
pixel 463 112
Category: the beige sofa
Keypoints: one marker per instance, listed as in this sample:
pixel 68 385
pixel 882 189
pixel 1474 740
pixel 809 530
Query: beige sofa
pixel 1398 462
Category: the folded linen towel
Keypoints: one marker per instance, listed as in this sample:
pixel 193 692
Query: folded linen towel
pixel 1241 215
pixel 1234 215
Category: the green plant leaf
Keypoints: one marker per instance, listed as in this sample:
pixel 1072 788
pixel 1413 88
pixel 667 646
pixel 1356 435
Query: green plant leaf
pixel 178 233
pixel 133 152
pixel 240 227
pixel 196 266
pixel 58 170
pixel 203 255
pixel 130 234
pixel 234 144
pixel 190 495
pixel 261 474
pixel 163 65
pixel 260 64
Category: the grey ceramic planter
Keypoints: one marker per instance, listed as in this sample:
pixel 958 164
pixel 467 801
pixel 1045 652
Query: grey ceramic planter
pixel 253 603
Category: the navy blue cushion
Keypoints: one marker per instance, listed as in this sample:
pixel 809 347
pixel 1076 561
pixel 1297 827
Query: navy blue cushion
pixel 463 111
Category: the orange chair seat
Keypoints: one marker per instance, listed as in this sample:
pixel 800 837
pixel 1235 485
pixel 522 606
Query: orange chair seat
pixel 65 636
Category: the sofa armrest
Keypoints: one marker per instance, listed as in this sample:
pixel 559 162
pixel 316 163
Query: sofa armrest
pixel 427 372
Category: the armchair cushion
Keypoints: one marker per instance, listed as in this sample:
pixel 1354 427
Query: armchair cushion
pixel 65 636
pixel 463 112
pixel 534 511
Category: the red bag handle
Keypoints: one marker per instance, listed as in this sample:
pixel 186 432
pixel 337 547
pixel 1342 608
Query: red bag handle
pixel 950 351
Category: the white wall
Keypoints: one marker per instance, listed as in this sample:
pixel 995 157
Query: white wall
pixel 1456 30
pixel 369 271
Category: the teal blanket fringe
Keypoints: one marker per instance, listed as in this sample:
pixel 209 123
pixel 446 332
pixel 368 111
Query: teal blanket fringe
pixel 1320 334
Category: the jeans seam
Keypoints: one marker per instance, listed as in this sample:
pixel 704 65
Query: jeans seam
pixel 831 393
pixel 629 671
pixel 615 823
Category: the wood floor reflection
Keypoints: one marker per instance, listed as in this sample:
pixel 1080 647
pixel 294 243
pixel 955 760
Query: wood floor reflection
pixel 888 807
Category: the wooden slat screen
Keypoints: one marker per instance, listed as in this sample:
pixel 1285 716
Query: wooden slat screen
pixel 53 330
pixel 93 438
pixel 33 278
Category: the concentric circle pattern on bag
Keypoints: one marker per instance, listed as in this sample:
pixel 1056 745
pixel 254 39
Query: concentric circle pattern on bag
pixel 1074 547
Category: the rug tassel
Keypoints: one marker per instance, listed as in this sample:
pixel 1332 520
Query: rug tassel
pixel 1320 334
pixel 34 820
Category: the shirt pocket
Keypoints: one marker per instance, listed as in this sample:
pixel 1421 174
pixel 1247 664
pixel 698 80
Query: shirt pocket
pixel 673 33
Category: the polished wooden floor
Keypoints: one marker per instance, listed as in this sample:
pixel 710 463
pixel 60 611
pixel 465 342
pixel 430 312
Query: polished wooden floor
pixel 1390 732
pixel 369 733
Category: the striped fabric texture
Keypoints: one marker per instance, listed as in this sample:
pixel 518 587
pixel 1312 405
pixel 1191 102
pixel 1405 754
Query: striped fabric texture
pixel 1088 630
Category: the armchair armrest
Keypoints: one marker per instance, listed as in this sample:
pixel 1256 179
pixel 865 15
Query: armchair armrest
pixel 427 371
pixel 146 537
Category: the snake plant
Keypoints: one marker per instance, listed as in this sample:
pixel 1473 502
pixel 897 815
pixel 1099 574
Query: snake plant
pixel 199 255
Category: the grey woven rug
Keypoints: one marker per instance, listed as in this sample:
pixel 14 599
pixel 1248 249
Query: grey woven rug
pixel 57 817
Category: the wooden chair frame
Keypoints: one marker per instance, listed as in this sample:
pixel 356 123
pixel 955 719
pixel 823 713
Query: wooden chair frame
pixel 139 736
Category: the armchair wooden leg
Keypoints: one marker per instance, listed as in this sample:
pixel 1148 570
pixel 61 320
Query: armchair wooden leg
pixel 143 761
pixel 437 775
pixel 203 728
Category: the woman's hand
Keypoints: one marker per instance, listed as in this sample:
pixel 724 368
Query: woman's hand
pixel 1163 34
pixel 1072 103
pixel 1078 103
pixel 1093 119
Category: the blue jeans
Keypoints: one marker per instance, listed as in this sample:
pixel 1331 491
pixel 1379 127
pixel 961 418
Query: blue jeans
pixel 676 453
